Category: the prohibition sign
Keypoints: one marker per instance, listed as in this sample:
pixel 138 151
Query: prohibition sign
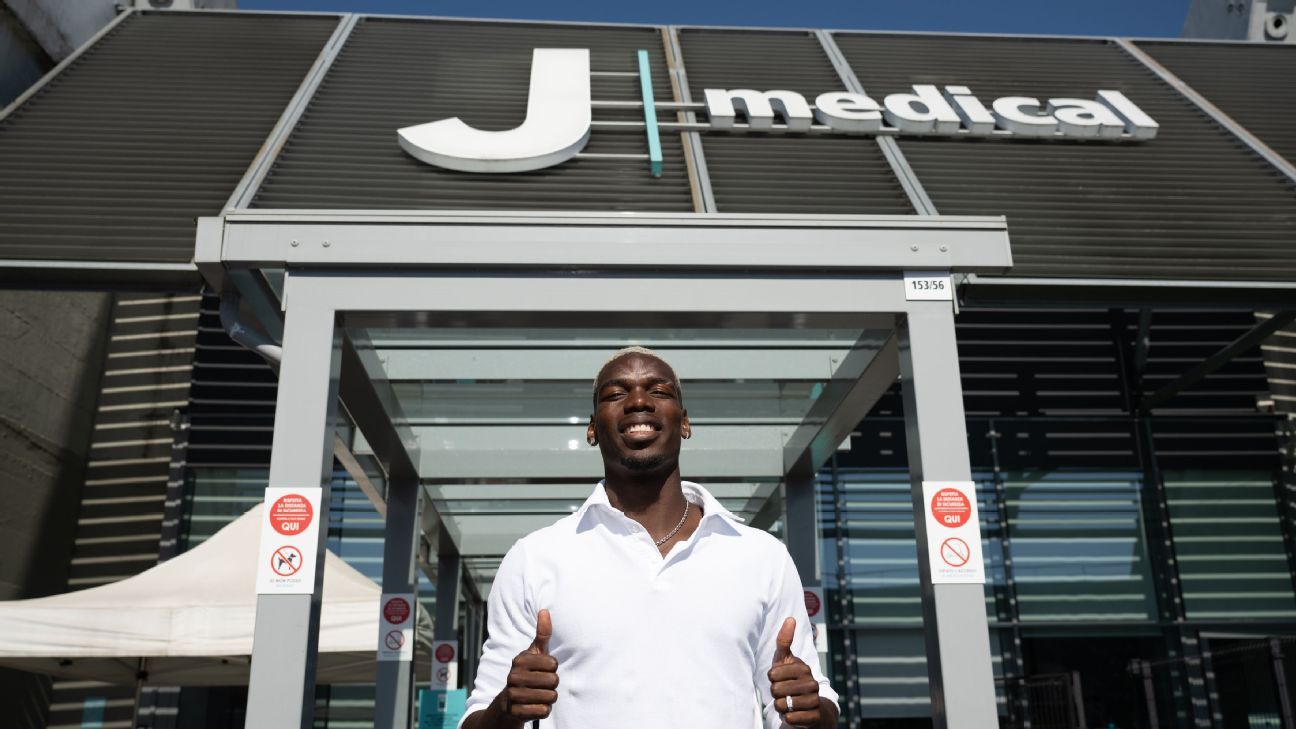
pixel 286 561
pixel 445 653
pixel 394 640
pixel 955 552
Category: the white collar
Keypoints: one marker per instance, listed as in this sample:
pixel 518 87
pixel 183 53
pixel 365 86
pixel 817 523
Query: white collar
pixel 692 491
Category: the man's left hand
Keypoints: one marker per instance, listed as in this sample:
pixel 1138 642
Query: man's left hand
pixel 791 682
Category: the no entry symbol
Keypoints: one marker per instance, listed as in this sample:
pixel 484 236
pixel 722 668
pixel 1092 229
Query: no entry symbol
pixel 955 552
pixel 286 561
pixel 394 640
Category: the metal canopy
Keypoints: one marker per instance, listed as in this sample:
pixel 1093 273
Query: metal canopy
pixel 464 348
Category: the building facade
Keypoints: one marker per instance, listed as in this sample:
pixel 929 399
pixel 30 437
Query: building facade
pixel 1126 384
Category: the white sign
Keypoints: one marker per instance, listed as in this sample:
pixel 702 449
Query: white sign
pixel 921 286
pixel 817 609
pixel 396 614
pixel 556 128
pixel 953 533
pixel 286 561
pixel 445 664
pixel 559 117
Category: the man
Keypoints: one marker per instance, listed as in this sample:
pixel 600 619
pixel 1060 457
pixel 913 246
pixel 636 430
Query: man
pixel 651 606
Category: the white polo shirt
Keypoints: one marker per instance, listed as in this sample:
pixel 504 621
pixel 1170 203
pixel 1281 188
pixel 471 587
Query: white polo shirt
pixel 642 641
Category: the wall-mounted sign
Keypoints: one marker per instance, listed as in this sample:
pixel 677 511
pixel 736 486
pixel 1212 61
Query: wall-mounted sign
pixel 286 560
pixel 396 618
pixel 559 117
pixel 953 533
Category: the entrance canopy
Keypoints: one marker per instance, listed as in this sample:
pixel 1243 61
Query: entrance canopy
pixel 455 352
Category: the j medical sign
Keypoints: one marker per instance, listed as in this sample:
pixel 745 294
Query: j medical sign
pixel 560 115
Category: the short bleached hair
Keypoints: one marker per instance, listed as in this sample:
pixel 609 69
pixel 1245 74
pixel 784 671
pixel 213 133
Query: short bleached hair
pixel 675 382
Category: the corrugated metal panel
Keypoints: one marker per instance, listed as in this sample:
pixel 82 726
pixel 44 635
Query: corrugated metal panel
pixel 150 128
pixel 1248 82
pixel 1191 204
pixel 231 401
pixel 396 73
pixel 146 378
pixel 758 173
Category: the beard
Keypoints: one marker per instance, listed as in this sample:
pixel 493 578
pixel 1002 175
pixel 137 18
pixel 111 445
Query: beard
pixel 636 462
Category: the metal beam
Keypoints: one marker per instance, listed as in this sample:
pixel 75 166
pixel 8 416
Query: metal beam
pixel 376 410
pixel 394 693
pixel 890 148
pixel 959 668
pixel 810 361
pixel 860 379
pixel 605 241
pixel 247 188
pixel 1252 338
pixel 560 452
pixel 281 689
pixel 1280 163
pixel 695 157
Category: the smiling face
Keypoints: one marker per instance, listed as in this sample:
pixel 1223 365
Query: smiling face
pixel 638 417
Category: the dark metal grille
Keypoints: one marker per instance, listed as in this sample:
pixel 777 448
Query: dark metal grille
pixel 396 73
pixel 149 129
pixel 1193 203
pixel 1248 82
pixel 753 173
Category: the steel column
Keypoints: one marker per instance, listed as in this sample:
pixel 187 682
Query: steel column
pixel 281 688
pixel 801 525
pixel 959 669
pixel 394 695
pixel 449 578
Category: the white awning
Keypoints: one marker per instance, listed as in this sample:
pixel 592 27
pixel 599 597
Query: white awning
pixel 190 621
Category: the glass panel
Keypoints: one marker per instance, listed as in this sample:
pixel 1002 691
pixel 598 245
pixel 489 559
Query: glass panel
pixel 1077 546
pixel 1229 545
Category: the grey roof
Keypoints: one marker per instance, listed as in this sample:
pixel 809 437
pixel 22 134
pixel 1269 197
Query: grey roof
pixel 151 127
pixel 156 124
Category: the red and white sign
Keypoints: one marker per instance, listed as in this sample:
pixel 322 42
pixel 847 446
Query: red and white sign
pixel 396 627
pixel 951 508
pixel 289 541
pixel 816 608
pixel 291 514
pixel 445 667
pixel 953 533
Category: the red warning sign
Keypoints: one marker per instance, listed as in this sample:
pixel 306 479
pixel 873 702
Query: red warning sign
pixel 955 552
pixel 291 514
pixel 286 561
pixel 813 604
pixel 445 653
pixel 951 508
pixel 394 640
pixel 396 610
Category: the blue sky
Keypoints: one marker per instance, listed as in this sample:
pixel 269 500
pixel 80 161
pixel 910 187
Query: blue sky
pixel 1091 17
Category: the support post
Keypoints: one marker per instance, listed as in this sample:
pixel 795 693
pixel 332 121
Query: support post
pixel 394 694
pixel 449 577
pixel 801 525
pixel 285 644
pixel 959 669
pixel 1285 712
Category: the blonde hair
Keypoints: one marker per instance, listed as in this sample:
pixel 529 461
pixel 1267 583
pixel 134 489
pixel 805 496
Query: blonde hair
pixel 624 351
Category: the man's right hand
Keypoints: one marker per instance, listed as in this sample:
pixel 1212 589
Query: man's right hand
pixel 531 688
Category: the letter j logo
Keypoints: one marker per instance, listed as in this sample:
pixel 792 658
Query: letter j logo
pixel 556 128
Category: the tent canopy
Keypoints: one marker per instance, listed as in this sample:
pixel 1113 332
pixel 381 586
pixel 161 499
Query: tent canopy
pixel 189 621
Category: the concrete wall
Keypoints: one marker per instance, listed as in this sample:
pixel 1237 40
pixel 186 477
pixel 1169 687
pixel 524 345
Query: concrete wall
pixel 51 360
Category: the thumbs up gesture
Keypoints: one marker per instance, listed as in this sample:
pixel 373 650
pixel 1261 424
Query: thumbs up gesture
pixel 795 690
pixel 530 690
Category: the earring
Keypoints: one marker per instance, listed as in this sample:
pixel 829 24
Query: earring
pixel 688 434
pixel 592 441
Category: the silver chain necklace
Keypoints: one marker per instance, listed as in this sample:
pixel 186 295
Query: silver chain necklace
pixel 678 526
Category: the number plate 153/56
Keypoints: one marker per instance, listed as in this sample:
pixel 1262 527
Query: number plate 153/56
pixel 920 286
